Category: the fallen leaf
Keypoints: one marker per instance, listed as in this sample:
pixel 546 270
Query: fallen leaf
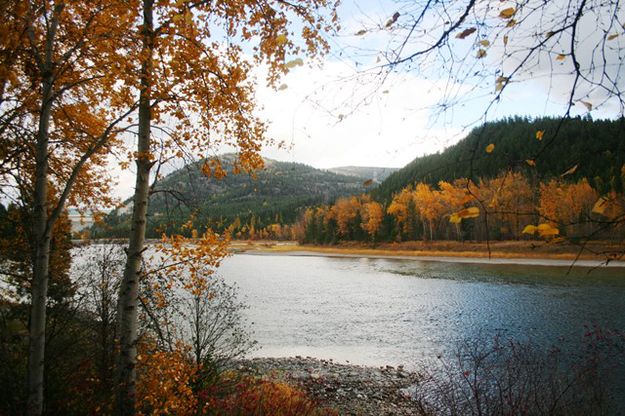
pixel 546 230
pixel 485 43
pixel 560 57
pixel 613 36
pixel 465 33
pixel 570 171
pixel 507 13
pixel 293 63
pixel 500 82
pixel 392 20
pixel 539 134
pixel 455 219
pixel 360 32
pixel 529 229
pixel 471 212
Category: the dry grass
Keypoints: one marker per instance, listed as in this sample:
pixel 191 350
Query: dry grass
pixel 500 249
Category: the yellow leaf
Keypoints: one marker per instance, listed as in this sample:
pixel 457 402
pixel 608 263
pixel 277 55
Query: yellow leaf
pixel 600 205
pixel 530 162
pixel 470 212
pixel 293 63
pixel 570 171
pixel 281 39
pixel 465 33
pixel 481 53
pixel 485 43
pixel 560 57
pixel 613 36
pixel 529 229
pixel 587 105
pixel 455 219
pixel 507 13
pixel 500 83
pixel 539 134
pixel 490 148
pixel 604 206
pixel 546 230
pixel 505 40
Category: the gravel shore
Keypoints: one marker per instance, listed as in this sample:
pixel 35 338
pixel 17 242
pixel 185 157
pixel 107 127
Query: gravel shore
pixel 350 389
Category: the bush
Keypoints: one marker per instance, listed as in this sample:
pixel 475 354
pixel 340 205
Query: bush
pixel 254 396
pixel 515 378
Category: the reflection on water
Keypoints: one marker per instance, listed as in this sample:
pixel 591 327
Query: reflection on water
pixel 392 311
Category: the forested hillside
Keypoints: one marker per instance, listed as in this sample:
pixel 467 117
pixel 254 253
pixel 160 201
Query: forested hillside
pixel 597 148
pixel 376 174
pixel 250 203
pixel 507 180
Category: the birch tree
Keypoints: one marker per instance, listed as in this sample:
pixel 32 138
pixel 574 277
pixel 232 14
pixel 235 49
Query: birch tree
pixel 196 91
pixel 56 126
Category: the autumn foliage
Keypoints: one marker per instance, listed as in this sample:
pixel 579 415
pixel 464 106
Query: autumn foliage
pixel 170 383
pixel 510 206
pixel 253 396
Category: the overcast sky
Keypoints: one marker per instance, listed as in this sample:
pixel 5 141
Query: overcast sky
pixel 319 117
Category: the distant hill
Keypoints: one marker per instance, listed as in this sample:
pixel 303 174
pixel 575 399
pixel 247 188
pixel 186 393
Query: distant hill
pixel 377 174
pixel 277 194
pixel 597 148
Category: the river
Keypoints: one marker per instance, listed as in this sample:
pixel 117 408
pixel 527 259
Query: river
pixel 397 311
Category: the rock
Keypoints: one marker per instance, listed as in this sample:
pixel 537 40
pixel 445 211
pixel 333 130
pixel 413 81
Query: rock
pixel 347 388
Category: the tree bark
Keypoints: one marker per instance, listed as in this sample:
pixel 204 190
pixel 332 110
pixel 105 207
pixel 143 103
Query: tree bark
pixel 129 290
pixel 41 243
pixel 42 225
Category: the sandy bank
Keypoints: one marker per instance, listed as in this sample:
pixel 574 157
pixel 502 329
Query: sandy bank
pixel 507 253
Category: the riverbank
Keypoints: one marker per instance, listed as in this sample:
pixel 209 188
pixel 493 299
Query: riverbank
pixel 349 389
pixel 501 252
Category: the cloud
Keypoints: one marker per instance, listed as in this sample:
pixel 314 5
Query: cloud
pixel 335 116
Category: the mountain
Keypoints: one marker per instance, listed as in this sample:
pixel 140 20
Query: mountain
pixel 595 149
pixel 275 195
pixel 376 174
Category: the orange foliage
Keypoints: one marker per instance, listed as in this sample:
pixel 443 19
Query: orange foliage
pixel 566 204
pixel 429 204
pixel 345 211
pixel 165 382
pixel 399 206
pixel 372 215
pixel 262 397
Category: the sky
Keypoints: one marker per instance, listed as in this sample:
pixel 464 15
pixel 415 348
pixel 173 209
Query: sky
pixel 334 112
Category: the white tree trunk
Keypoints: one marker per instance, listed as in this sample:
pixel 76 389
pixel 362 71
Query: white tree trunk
pixel 129 290
pixel 41 241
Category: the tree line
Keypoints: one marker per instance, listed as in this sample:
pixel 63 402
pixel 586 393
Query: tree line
pixel 510 206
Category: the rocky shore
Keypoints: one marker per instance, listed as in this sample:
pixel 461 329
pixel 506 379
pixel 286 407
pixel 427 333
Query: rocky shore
pixel 350 389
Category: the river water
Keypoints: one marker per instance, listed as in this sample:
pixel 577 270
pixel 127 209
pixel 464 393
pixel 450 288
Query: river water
pixel 396 311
